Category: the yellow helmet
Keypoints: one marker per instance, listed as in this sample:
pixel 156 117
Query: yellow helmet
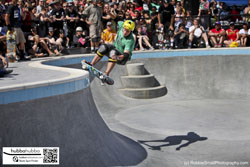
pixel 129 25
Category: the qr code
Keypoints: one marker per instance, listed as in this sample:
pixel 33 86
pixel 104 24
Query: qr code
pixel 50 155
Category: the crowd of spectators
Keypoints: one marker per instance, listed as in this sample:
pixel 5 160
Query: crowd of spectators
pixel 49 26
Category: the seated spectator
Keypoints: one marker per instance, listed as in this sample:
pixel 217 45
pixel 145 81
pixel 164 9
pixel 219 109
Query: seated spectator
pixel 232 35
pixel 142 39
pixel 197 33
pixel 36 46
pixel 180 37
pixel 80 39
pixel 3 61
pixel 3 66
pixel 244 33
pixel 62 40
pixel 108 35
pixel 51 42
pixel 217 35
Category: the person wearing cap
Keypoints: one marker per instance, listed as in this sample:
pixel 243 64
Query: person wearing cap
pixel 93 15
pixel 244 34
pixel 217 35
pixel 232 35
pixel 13 19
pixel 166 17
pixel 72 19
pixel 121 51
pixel 53 45
pixel 108 34
pixel 77 38
pixel 36 45
pixel 58 16
pixel 196 32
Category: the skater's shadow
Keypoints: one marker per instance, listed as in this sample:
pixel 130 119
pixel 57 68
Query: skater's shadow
pixel 191 137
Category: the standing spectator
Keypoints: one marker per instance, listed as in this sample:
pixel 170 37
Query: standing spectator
pixel 166 17
pixel 244 33
pixel 94 16
pixel 44 21
pixel 247 13
pixel 108 34
pixel 72 19
pixel 28 18
pixel 217 35
pixel 214 12
pixel 40 6
pixel 58 17
pixel 13 22
pixel 120 17
pixel 108 15
pixel 235 14
pixel 204 14
pixel 197 33
pixel 2 13
pixel 232 35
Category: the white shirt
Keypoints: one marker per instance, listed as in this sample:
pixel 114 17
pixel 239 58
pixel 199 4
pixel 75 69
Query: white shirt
pixel 242 31
pixel 198 31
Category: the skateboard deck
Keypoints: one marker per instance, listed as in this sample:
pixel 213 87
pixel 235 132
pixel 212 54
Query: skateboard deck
pixel 11 46
pixel 97 73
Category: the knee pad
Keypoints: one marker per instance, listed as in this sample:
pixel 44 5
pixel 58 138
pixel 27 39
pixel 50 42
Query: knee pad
pixel 102 50
pixel 112 60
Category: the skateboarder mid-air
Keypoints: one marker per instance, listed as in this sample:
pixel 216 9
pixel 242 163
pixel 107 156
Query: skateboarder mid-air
pixel 122 49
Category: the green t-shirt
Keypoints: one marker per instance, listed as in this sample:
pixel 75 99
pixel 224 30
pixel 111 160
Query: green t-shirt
pixel 124 43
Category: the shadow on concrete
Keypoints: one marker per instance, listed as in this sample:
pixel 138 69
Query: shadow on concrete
pixel 191 138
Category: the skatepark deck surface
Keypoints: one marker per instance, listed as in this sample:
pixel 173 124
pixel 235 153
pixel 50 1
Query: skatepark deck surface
pixel 203 120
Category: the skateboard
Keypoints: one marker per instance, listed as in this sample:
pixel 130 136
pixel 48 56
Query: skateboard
pixel 11 46
pixel 95 72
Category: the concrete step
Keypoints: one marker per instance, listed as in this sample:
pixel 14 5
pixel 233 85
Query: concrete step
pixel 139 81
pixel 144 93
pixel 136 69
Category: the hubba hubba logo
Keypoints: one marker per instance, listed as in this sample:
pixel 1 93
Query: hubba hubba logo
pixel 30 155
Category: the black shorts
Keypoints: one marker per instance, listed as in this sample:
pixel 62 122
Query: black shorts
pixel 110 50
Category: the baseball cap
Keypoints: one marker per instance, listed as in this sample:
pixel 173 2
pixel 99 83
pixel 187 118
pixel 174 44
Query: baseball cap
pixel 217 23
pixel 109 23
pixel 78 29
pixel 231 23
pixel 167 1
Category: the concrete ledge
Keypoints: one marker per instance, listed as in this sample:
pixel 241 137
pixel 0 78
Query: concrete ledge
pixel 139 81
pixel 74 81
pixel 144 93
